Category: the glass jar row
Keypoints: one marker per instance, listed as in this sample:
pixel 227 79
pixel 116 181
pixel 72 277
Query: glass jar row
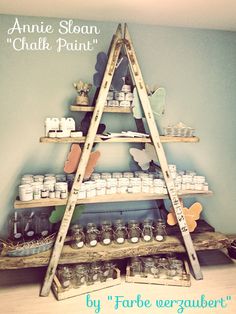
pixel 86 274
pixel 157 266
pixel 118 232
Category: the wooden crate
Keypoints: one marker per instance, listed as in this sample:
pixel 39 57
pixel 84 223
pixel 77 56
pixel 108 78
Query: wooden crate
pixel 185 282
pixel 65 293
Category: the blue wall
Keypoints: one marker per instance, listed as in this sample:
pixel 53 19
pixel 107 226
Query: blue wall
pixel 198 70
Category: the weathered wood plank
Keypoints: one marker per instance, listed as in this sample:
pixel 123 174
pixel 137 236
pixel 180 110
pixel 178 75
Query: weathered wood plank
pixel 127 197
pixel 106 109
pixel 202 241
pixel 164 139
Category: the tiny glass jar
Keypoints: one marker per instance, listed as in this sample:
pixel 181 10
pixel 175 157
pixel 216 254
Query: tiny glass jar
pixel 135 266
pixel 147 230
pixel 160 230
pixel 29 225
pixel 163 266
pixel 15 227
pixel 134 232
pixel 92 234
pixel 149 267
pixel 78 236
pixel 43 225
pixel 120 231
pixel 108 271
pixel 106 232
pixel 65 276
pixel 177 265
pixel 94 273
pixel 80 275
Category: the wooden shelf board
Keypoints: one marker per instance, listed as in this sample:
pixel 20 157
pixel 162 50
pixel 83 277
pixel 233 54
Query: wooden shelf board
pixel 106 109
pixel 107 198
pixel 164 139
pixel 201 241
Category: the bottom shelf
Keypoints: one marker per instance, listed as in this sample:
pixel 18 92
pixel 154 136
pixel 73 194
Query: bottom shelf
pixel 62 293
pixel 201 241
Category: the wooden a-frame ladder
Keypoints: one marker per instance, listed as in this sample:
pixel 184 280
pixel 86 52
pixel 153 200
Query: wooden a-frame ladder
pixel 118 41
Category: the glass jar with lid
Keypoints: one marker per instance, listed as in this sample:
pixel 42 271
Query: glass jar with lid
pixel 15 227
pixel 80 275
pixel 149 267
pixel 92 234
pixel 159 230
pixel 135 266
pixel 134 232
pixel 94 273
pixel 163 266
pixel 65 276
pixel 108 271
pixel 43 224
pixel 106 233
pixel 120 231
pixel 77 236
pixel 147 230
pixel 178 266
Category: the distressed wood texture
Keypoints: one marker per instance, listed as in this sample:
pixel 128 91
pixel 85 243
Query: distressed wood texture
pixel 107 199
pixel 164 139
pixel 202 241
pixel 106 109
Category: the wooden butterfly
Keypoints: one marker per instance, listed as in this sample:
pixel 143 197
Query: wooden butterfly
pixel 120 71
pixel 73 159
pixel 157 102
pixel 191 215
pixel 144 156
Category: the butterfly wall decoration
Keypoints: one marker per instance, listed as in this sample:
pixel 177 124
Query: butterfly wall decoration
pixel 121 71
pixel 144 156
pixel 73 159
pixel 191 215
pixel 157 102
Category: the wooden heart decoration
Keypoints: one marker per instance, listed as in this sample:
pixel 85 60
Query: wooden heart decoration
pixel 73 159
pixel 191 215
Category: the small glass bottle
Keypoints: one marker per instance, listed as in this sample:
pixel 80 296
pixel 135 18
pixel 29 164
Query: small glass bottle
pixel 108 271
pixel 163 267
pixel 94 274
pixel 147 230
pixel 106 234
pixel 78 236
pixel 15 227
pixel 135 266
pixel 43 224
pixel 65 276
pixel 160 230
pixel 92 234
pixel 177 264
pixel 134 232
pixel 120 231
pixel 29 225
pixel 80 275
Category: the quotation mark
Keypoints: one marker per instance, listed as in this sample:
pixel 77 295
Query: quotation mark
pixel 95 41
pixel 9 40
pixel 109 297
pixel 228 298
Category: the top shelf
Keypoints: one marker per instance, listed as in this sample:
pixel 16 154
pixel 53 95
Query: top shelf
pixel 106 109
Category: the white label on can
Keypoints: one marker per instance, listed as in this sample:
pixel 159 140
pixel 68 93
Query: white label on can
pixel 66 283
pixel 106 241
pixel 120 240
pixel 93 242
pixel 44 233
pixel 134 239
pixel 80 244
pixel 30 233
pixel 146 238
pixel 159 237
pixel 17 235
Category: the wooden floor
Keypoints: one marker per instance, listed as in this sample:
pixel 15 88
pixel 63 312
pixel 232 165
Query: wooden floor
pixel 19 290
